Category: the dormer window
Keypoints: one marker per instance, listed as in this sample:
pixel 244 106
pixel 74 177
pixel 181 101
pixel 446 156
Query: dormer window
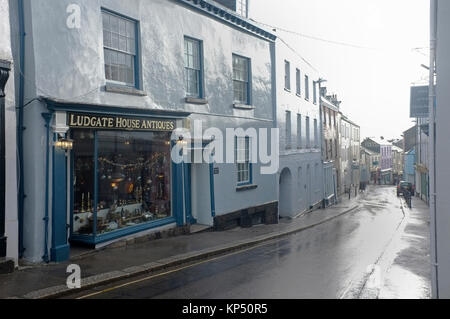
pixel 240 6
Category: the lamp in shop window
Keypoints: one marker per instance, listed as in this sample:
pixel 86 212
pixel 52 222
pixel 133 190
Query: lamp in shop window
pixel 117 176
pixel 64 144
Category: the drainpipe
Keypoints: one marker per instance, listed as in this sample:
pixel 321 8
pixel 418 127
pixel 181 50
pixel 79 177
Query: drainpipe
pixel 211 186
pixel 5 67
pixel 20 126
pixel 432 147
pixel 47 117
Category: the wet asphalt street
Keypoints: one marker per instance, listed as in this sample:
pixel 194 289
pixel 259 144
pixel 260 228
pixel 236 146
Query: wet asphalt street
pixel 327 261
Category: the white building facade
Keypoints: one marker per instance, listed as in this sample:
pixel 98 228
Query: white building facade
pixel 119 79
pixel 350 156
pixel 298 118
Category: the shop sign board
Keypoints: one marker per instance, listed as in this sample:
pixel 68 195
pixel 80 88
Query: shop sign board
pixel 112 122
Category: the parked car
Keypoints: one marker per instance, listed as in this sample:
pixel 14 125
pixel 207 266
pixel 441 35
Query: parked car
pixel 403 186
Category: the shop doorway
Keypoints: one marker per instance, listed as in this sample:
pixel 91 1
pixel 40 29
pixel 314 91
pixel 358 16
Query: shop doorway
pixel 201 199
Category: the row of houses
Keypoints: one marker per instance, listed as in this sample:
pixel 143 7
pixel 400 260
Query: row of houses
pixel 416 160
pixel 101 92
pixel 384 160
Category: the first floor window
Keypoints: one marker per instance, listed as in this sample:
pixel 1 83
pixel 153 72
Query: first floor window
pixel 241 79
pixel 243 160
pixel 308 133
pixel 299 131
pixel 307 87
pixel 192 67
pixel 288 130
pixel 315 93
pixel 119 43
pixel 287 75
pixel 316 135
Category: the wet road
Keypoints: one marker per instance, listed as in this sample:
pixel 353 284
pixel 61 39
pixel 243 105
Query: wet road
pixel 327 261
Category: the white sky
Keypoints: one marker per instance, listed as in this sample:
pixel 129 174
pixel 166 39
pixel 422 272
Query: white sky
pixel 373 84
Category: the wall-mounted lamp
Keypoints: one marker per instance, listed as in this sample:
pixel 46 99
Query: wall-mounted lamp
pixel 64 144
pixel 181 141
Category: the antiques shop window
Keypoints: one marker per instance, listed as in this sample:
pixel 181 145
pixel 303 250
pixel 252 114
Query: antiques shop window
pixel 133 180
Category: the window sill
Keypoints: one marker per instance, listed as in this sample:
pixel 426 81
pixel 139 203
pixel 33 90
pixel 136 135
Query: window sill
pixel 195 100
pixel 298 94
pixel 244 188
pixel 243 106
pixel 112 88
pixel 287 90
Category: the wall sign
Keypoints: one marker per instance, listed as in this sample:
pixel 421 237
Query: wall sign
pixel 419 102
pixel 110 122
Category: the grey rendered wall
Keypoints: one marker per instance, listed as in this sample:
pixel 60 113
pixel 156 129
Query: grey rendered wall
pixel 443 151
pixel 10 137
pixel 67 64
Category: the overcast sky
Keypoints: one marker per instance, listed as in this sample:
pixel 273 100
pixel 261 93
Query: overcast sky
pixel 373 83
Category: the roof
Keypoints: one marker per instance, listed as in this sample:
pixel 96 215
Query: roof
pixel 228 16
pixel 345 118
pixel 396 148
pixel 328 104
pixel 380 141
pixel 368 151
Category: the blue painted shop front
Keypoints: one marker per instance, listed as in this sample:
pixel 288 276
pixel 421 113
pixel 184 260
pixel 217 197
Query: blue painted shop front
pixel 117 178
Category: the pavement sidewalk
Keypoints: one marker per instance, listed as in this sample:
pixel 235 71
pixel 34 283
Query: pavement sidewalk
pixel 105 266
pixel 409 275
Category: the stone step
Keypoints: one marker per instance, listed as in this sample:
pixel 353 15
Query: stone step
pixel 195 229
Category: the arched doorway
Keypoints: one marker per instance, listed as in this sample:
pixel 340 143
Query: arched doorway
pixel 285 198
pixel 308 187
pixel 300 195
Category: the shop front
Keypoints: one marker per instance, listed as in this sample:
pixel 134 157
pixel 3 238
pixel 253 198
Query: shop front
pixel 120 176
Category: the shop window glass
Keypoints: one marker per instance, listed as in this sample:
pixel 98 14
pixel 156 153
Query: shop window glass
pixel 133 178
pixel 83 192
